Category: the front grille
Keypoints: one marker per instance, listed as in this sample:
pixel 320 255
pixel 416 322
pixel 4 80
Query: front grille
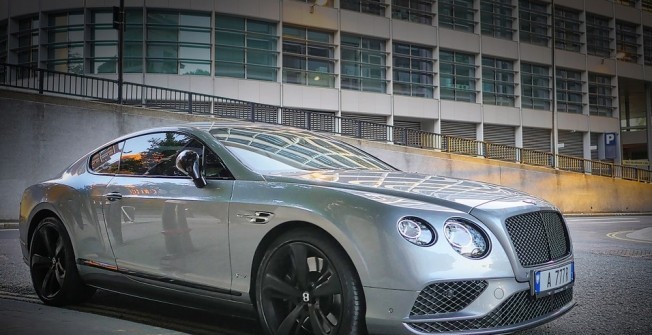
pixel 520 307
pixel 538 237
pixel 447 297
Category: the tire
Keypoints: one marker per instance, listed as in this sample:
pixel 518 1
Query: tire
pixel 317 296
pixel 52 266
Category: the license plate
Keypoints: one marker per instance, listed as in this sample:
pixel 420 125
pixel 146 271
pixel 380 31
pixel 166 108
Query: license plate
pixel 546 282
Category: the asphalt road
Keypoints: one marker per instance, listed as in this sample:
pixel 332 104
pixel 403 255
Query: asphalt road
pixel 613 264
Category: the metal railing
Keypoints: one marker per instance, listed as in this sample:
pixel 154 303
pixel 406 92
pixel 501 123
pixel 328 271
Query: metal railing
pixel 94 88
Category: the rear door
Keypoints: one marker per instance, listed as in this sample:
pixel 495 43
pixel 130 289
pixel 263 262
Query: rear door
pixel 160 225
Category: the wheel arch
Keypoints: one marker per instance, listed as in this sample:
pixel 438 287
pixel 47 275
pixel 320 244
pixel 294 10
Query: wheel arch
pixel 40 212
pixel 282 229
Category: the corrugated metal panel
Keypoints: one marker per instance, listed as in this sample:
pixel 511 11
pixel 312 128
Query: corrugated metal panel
pixel 536 139
pixel 408 124
pixel 595 138
pixel 459 129
pixel 503 135
pixel 573 143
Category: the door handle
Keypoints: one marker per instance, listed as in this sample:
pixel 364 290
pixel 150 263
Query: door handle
pixel 113 196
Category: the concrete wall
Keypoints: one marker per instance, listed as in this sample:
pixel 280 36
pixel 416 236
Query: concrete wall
pixel 41 135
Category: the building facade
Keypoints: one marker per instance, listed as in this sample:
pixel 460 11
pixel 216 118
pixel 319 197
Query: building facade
pixel 572 77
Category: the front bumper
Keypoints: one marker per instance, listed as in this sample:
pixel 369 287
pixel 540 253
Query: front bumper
pixel 503 305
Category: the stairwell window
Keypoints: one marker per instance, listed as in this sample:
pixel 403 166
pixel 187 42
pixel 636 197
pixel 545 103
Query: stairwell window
pixel 413 70
pixel 497 81
pixel 457 15
pixel 533 18
pixel 308 57
pixel 417 11
pixel 598 40
pixel 457 76
pixel 535 86
pixel 496 18
pixel 245 48
pixel 364 64
pixel 600 95
pixel 569 91
pixel 568 34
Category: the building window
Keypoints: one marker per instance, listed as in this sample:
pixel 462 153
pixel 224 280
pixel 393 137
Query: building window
pixel 535 85
pixel 598 40
pixel 308 57
pixel 629 3
pixel 568 35
pixel 245 48
pixel 3 42
pixel 627 41
pixel 28 41
pixel 363 64
pixel 533 18
pixel 457 76
pixel 569 91
pixel 133 35
pixel 104 42
pixel 496 18
pixel 646 5
pixel 178 43
pixel 375 7
pixel 647 42
pixel 600 95
pixel 65 45
pixel 413 70
pixel 457 15
pixel 417 11
pixel 497 81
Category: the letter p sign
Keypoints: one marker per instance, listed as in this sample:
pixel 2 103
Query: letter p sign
pixel 610 145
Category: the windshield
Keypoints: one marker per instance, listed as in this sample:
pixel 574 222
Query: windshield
pixel 280 150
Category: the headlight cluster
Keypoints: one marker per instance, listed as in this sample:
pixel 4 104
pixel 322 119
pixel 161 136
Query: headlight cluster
pixel 465 237
pixel 417 231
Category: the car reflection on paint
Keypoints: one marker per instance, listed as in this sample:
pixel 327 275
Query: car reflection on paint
pixel 312 235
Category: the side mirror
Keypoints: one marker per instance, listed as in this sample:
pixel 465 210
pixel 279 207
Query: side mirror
pixel 189 163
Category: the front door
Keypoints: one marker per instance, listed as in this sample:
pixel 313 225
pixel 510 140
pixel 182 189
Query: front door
pixel 160 225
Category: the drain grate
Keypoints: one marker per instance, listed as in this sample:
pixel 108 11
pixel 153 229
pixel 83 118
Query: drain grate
pixel 647 254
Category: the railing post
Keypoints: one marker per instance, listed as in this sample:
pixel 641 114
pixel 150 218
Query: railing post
pixel 358 128
pixel 252 117
pixel 309 121
pixel 189 103
pixel 41 80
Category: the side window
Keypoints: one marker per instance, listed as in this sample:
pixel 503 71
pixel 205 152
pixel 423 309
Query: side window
pixel 153 154
pixel 156 154
pixel 214 167
pixel 107 160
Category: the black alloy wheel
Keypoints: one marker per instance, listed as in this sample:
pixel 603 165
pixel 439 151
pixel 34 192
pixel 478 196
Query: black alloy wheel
pixel 307 285
pixel 52 266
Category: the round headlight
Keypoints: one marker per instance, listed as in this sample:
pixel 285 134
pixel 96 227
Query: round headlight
pixel 466 238
pixel 417 231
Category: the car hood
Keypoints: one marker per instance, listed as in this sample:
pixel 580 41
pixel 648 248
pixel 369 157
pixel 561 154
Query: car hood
pixel 460 194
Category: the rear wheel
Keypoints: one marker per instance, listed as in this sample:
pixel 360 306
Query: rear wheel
pixel 307 285
pixel 52 266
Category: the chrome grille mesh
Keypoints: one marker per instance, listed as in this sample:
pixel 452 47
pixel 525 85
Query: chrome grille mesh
pixel 520 307
pixel 447 297
pixel 538 237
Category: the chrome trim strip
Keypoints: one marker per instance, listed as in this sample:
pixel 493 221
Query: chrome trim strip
pixel 127 272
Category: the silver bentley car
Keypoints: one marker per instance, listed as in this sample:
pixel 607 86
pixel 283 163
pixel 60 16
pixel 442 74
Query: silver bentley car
pixel 309 234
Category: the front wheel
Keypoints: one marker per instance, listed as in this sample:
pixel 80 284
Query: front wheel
pixel 52 266
pixel 307 285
